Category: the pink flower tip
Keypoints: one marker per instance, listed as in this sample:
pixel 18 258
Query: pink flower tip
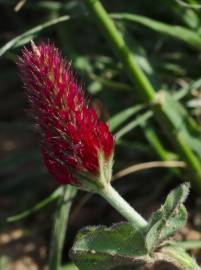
pixel 73 139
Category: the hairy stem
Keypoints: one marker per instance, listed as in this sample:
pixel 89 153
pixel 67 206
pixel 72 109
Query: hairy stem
pixel 122 206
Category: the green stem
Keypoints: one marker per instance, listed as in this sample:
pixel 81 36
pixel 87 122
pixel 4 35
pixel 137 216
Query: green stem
pixel 145 90
pixel 119 44
pixel 122 206
pixel 60 224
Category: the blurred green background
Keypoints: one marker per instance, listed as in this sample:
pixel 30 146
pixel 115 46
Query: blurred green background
pixel 165 38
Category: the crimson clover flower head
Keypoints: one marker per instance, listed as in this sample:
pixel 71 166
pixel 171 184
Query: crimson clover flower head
pixel 76 146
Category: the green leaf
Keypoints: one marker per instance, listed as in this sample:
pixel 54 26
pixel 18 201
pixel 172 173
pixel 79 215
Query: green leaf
pixel 120 247
pixel 153 236
pixel 174 199
pixel 163 228
pixel 98 248
pixel 168 219
pixel 184 34
pixel 174 223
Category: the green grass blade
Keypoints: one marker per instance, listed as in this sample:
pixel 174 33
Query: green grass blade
pixel 60 226
pixel 184 34
pixel 119 118
pixel 191 244
pixel 30 34
pixel 41 5
pixel 133 124
pixel 53 196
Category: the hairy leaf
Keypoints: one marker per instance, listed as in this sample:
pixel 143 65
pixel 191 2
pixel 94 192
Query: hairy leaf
pixel 168 219
pixel 98 248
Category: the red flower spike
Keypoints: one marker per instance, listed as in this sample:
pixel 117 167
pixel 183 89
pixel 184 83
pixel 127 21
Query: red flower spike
pixel 72 136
